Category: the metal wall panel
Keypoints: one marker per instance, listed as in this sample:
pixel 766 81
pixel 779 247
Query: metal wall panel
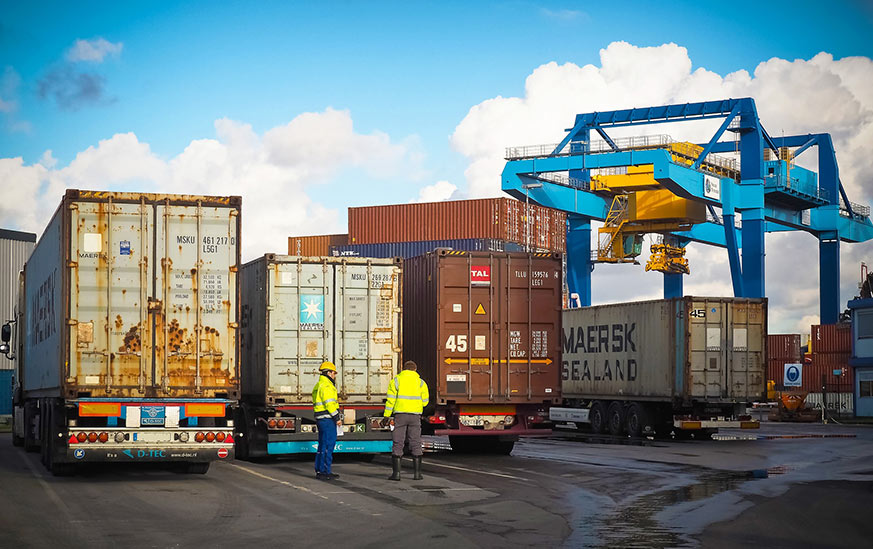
pixel 484 328
pixel 406 250
pixel 495 218
pixel 15 248
pixel 301 311
pixel 831 338
pixel 138 292
pixel 784 347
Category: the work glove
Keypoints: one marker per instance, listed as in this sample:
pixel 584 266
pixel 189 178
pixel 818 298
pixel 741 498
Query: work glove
pixel 385 422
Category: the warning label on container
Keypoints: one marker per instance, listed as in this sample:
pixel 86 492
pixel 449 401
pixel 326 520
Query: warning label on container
pixel 480 310
pixel 480 275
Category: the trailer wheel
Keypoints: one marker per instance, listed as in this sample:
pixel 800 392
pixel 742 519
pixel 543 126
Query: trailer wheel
pixel 17 440
pixel 597 417
pixel 502 447
pixel 638 422
pixel 615 418
pixel 30 441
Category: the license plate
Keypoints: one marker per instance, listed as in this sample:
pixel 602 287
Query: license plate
pixel 153 415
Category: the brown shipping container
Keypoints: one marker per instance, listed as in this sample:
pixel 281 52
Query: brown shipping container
pixel 831 338
pixel 485 328
pixel 784 347
pixel 315 246
pixel 497 218
pixel 824 364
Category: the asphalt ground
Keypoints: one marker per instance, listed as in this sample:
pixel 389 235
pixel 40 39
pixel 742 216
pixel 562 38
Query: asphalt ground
pixel 556 492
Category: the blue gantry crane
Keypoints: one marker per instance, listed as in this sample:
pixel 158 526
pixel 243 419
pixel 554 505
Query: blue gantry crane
pixel 763 186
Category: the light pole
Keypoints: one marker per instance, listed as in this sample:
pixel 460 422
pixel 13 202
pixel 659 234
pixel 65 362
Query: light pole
pixel 527 187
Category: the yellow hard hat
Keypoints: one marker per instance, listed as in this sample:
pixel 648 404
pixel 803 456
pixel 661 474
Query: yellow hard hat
pixel 327 366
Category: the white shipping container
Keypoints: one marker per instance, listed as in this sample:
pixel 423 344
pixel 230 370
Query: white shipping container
pixel 837 403
pixel 690 349
pixel 15 248
pixel 300 311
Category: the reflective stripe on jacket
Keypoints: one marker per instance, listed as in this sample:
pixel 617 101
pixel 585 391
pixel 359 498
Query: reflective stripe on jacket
pixel 407 394
pixel 324 399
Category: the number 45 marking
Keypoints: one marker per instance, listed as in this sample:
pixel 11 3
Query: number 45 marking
pixel 457 344
pixel 697 313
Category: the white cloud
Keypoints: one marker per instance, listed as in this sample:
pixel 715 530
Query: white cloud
pixel 93 50
pixel 793 97
pixel 268 171
pixel 439 191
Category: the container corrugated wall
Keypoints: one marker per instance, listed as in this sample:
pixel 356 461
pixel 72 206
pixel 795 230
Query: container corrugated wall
pixel 15 248
pixel 318 245
pixel 495 218
pixel 412 249
pixel 148 283
pixel 709 349
pixel 301 311
pixel 782 349
pixel 484 328
pixel 831 338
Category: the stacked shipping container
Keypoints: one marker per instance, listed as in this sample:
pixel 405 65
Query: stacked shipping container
pixel 412 249
pixel 315 246
pixel 15 248
pixel 830 349
pixel 782 349
pixel 493 218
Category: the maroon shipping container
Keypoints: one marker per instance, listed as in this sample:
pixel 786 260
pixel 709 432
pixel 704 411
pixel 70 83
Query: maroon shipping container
pixel 485 331
pixel 497 218
pixel 318 245
pixel 817 365
pixel 784 347
pixel 831 338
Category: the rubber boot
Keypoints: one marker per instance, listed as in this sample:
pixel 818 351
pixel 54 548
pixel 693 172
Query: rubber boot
pixel 416 467
pixel 395 467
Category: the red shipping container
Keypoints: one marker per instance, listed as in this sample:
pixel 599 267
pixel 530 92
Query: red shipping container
pixel 497 218
pixel 318 245
pixel 824 364
pixel 784 347
pixel 831 338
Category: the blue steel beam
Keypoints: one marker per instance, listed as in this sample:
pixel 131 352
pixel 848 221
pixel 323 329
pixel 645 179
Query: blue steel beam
pixel 579 258
pixel 730 117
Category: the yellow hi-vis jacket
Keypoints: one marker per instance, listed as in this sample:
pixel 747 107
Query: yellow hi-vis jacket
pixel 324 399
pixel 407 394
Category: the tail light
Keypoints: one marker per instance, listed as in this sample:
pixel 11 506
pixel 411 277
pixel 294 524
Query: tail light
pixel 103 437
pixel 199 437
pixel 81 437
pixel 436 419
pixel 183 436
pixel 220 437
pixel 92 437
pixel 229 439
pixel 210 436
pixel 272 424
pixel 280 424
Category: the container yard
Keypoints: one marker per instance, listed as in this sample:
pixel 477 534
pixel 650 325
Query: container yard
pixel 297 313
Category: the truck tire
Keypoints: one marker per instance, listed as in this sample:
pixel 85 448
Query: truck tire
pixel 17 440
pixel 638 420
pixel 502 447
pixel 615 418
pixel 597 417
pixel 198 468
pixel 31 444
pixel 463 444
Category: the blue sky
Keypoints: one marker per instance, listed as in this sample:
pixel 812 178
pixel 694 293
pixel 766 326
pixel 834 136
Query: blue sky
pixel 306 108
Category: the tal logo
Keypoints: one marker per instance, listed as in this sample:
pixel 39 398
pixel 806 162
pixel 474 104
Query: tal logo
pixel 480 275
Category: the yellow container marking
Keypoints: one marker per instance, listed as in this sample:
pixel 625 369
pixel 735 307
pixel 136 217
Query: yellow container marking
pixel 480 310
pixel 100 409
pixel 210 409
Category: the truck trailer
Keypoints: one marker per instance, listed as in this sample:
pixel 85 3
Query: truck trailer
pixel 298 312
pixel 685 365
pixel 126 332
pixel 484 329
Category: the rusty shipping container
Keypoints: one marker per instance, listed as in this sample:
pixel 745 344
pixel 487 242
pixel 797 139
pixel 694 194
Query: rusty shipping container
pixel 316 246
pixel 298 312
pixel 131 299
pixel 820 370
pixel 687 363
pixel 495 218
pixel 784 347
pixel 484 329
pixel 831 338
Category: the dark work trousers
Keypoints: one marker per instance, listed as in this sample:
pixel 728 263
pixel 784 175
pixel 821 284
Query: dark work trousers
pixel 407 427
pixel 326 442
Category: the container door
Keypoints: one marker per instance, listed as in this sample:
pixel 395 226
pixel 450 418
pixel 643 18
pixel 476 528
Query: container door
pixel 707 321
pixel 530 322
pixel 111 271
pixel 366 329
pixel 195 300
pixel 746 350
pixel 300 326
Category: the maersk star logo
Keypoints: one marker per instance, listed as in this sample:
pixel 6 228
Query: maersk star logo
pixel 312 312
